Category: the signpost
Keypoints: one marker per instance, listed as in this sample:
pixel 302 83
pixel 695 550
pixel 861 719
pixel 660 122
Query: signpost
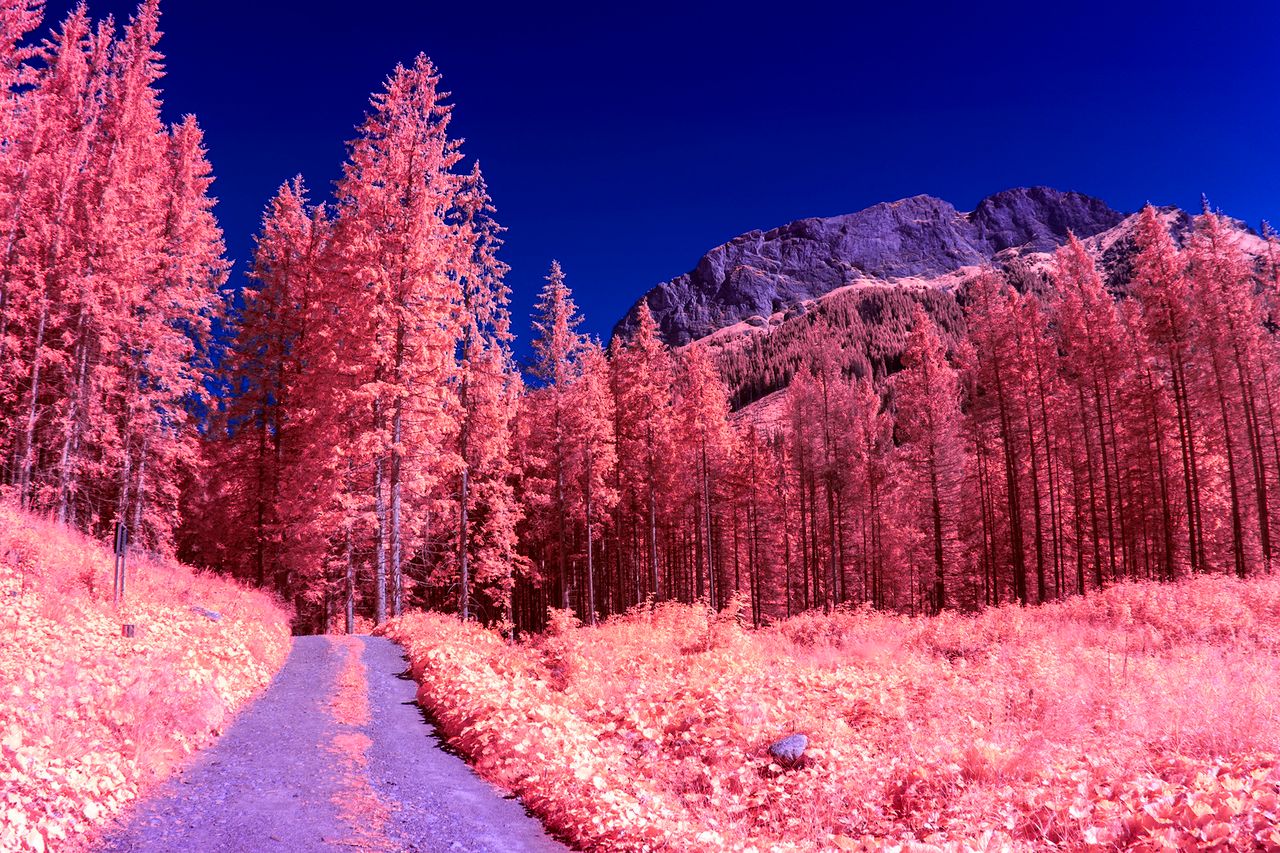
pixel 121 546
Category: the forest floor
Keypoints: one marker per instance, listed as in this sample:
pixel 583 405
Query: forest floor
pixel 1142 717
pixel 335 755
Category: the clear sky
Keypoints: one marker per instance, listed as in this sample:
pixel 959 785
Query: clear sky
pixel 628 139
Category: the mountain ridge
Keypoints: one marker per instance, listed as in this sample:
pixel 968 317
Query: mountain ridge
pixel 765 299
pixel 759 273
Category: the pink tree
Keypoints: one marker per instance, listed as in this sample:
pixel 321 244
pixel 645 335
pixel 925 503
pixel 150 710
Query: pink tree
pixel 488 396
pixel 392 248
pixel 557 348
pixel 927 397
pixel 594 454
pixel 642 379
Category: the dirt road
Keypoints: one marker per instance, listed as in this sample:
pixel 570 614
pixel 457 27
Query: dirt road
pixel 335 755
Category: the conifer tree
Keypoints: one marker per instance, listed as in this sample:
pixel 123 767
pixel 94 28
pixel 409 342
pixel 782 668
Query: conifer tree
pixel 489 390
pixel 557 348
pixel 1096 369
pixel 594 457
pixel 1229 339
pixel 643 378
pixel 392 248
pixel 928 422
pixel 703 411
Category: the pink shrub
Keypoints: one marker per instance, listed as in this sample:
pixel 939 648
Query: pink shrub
pixel 89 719
pixel 1141 717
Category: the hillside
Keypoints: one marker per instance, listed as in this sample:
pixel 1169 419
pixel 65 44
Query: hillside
pixel 763 299
pixel 1140 717
pixel 90 719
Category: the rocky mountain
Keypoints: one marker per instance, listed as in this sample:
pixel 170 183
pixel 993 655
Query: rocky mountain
pixel 762 273
pixel 765 300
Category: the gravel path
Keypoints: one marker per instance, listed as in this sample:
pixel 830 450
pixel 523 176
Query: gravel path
pixel 298 772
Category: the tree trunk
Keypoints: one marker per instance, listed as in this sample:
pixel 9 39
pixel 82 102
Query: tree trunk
pixel 140 501
pixel 712 591
pixel 464 535
pixel 397 459
pixel 74 416
pixel 1017 550
pixel 939 565
pixel 397 462
pixel 1106 477
pixel 260 515
pixel 349 598
pixel 380 516
pixel 29 432
pixel 1036 513
pixel 591 565
pixel 1166 512
pixel 653 540
pixel 1237 525
pixel 1095 524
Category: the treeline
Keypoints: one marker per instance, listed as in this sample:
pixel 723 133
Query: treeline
pixel 1046 441
pixel 109 275
pixel 372 445
pixel 1046 444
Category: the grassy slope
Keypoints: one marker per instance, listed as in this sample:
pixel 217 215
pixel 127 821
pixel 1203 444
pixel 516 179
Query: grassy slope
pixel 1144 717
pixel 88 719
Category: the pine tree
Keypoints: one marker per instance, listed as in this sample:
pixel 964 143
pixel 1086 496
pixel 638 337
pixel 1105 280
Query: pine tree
pixel 393 246
pixel 110 277
pixel 702 412
pixel 994 410
pixel 489 390
pixel 594 455
pixel 1229 338
pixel 557 348
pixel 643 378
pixel 275 438
pixel 1096 364
pixel 927 398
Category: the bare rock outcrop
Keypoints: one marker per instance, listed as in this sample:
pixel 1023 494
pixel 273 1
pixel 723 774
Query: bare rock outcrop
pixel 761 273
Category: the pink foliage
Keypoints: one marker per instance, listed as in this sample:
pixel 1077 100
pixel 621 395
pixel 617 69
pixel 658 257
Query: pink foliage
pixel 90 719
pixel 1140 717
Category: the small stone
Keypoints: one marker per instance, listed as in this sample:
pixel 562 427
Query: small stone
pixel 208 614
pixel 790 749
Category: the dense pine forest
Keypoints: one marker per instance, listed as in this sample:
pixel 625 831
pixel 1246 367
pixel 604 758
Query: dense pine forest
pixel 111 273
pixel 351 429
pixel 937 530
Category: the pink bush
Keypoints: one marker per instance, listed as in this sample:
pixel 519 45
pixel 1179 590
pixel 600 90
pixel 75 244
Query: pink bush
pixel 1142 717
pixel 88 718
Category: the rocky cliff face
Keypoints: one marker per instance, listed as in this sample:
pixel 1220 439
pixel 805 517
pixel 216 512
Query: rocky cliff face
pixel 760 273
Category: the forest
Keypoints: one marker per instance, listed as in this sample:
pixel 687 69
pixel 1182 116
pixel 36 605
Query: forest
pixel 351 428
pixel 997 555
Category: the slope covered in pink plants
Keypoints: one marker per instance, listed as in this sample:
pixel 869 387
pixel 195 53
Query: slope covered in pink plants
pixel 1142 717
pixel 89 719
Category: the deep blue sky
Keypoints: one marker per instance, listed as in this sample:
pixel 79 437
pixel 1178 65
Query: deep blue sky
pixel 628 140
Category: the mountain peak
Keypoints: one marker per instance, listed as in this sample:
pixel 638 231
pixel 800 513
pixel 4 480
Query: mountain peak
pixel 763 272
pixel 1039 218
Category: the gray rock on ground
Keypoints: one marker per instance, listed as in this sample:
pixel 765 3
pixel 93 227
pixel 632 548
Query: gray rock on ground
pixel 790 749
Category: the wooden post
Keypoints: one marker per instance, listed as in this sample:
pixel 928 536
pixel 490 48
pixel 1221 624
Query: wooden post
pixel 121 546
